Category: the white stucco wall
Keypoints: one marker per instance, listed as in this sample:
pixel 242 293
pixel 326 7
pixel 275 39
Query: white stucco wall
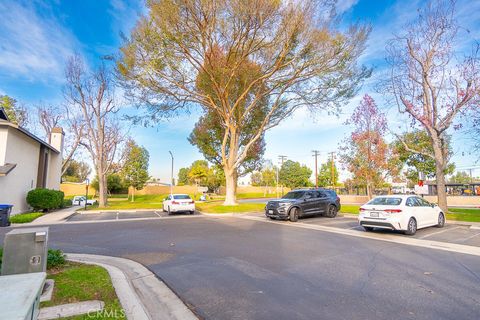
pixel 54 173
pixel 14 187
pixel 3 144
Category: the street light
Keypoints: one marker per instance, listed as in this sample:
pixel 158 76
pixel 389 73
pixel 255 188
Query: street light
pixel 171 175
pixel 87 182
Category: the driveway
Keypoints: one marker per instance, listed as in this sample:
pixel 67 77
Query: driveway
pixel 237 268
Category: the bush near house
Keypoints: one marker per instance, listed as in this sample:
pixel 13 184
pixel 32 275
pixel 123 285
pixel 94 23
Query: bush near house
pixel 45 199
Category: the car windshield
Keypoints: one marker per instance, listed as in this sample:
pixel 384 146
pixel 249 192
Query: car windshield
pixel 294 195
pixel 181 197
pixel 385 201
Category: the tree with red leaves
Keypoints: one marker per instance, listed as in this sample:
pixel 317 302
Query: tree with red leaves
pixel 430 84
pixel 365 153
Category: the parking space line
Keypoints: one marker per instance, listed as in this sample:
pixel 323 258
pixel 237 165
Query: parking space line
pixel 438 232
pixel 466 239
pixel 156 212
pixel 431 244
pixel 117 215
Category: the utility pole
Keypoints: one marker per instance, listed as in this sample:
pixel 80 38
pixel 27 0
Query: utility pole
pixel 332 154
pixel 171 175
pixel 316 153
pixel 282 158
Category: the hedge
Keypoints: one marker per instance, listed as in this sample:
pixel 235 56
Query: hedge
pixel 45 199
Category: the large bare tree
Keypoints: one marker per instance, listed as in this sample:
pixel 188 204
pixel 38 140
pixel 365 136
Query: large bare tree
pixel 50 116
pixel 240 60
pixel 90 95
pixel 429 83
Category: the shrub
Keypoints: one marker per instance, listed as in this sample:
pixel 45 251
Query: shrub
pixel 55 258
pixel 67 203
pixel 45 199
pixel 25 217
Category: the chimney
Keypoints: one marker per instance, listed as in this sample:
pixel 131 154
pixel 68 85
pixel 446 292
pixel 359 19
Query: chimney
pixel 56 139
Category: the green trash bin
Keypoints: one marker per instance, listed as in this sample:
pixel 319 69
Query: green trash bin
pixel 5 210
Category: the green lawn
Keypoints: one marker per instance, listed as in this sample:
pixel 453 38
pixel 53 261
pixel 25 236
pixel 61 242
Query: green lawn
pixel 462 214
pixel 80 282
pixel 218 207
pixel 25 217
pixel 254 195
pixel 350 208
pixel 141 202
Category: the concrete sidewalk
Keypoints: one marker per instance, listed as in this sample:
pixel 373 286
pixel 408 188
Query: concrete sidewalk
pixel 141 293
pixel 59 216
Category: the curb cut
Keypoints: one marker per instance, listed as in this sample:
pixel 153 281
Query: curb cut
pixel 141 294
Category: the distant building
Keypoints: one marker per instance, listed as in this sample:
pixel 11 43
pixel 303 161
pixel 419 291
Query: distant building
pixel 27 162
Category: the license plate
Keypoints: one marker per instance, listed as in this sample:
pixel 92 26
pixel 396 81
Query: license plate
pixel 270 211
pixel 374 214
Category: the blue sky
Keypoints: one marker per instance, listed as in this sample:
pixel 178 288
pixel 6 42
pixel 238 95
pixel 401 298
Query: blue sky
pixel 37 37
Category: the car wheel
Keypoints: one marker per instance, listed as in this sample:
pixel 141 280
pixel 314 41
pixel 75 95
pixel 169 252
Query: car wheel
pixel 332 211
pixel 294 215
pixel 368 229
pixel 411 227
pixel 192 212
pixel 163 208
pixel 168 210
pixel 441 220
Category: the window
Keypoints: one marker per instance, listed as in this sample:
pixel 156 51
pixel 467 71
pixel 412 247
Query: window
pixel 385 201
pixel 423 203
pixel 410 202
pixel 310 195
pixel 181 197
pixel 294 195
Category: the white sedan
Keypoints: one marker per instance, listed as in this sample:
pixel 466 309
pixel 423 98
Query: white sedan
pixel 179 203
pixel 400 212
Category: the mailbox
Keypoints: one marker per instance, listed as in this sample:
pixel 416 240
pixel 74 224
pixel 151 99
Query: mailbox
pixel 25 251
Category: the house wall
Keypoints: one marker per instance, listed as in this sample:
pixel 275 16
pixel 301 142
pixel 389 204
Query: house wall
pixel 23 151
pixel 54 174
pixel 3 144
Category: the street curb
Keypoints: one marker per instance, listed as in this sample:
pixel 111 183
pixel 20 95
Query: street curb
pixel 141 294
pixel 117 210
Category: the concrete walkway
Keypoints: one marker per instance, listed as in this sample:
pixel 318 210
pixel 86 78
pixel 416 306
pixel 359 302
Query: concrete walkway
pixel 59 216
pixel 141 293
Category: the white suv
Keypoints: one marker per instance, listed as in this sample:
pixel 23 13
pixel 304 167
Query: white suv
pixel 400 212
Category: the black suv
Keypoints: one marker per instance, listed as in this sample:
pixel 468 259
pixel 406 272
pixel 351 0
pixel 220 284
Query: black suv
pixel 303 202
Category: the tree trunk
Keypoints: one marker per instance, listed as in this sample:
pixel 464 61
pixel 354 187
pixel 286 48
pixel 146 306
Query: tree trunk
pixel 440 164
pixel 133 194
pixel 230 186
pixel 102 192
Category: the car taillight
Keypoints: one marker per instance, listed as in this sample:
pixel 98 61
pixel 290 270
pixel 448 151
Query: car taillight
pixel 192 202
pixel 175 202
pixel 338 198
pixel 362 209
pixel 392 210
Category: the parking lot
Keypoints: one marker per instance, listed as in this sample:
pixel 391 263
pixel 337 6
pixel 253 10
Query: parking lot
pixel 123 215
pixel 452 233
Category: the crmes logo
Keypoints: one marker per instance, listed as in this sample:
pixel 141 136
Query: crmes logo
pixel 107 313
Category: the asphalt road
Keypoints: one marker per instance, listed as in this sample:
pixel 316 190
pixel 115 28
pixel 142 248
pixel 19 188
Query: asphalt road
pixel 231 268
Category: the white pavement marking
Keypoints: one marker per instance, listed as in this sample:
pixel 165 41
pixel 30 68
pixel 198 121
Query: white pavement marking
pixel 468 238
pixel 438 232
pixel 133 219
pixel 451 247
pixel 156 212
pixel 117 215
